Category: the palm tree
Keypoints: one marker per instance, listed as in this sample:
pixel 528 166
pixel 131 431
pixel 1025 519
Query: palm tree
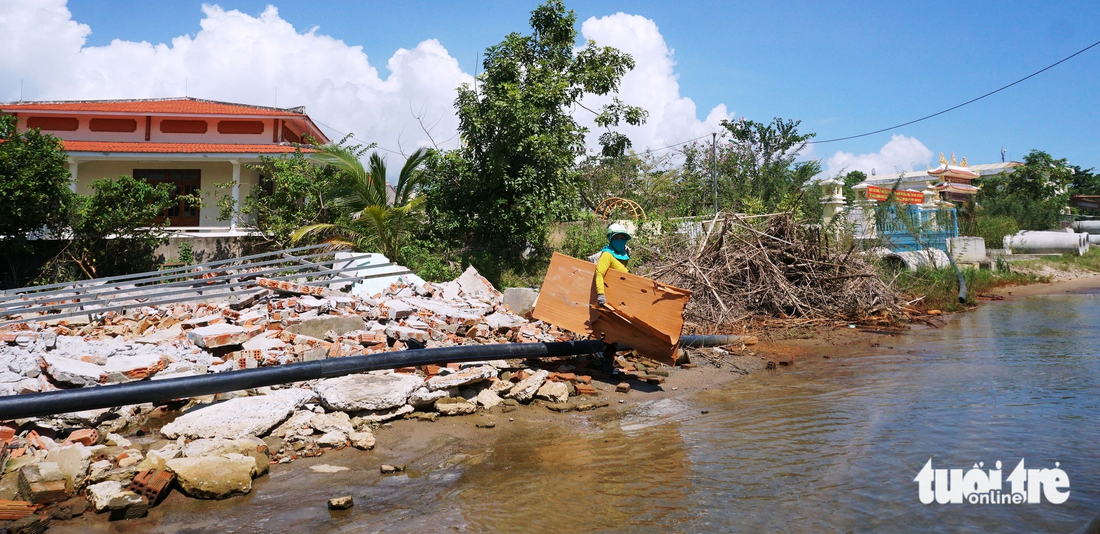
pixel 374 223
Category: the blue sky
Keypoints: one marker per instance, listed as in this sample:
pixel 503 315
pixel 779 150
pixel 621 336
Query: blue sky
pixel 841 67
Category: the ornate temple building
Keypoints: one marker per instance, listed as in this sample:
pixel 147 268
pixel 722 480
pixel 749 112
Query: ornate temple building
pixel 951 180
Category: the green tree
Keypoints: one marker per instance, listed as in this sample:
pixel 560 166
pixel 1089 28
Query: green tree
pixel 34 184
pixel 644 178
pixel 516 169
pixel 293 193
pixel 757 169
pixel 1033 194
pixel 113 230
pixel 369 221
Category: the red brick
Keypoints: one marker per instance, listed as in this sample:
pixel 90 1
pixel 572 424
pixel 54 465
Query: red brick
pixel 152 484
pixel 583 379
pixel 585 389
pixel 623 387
pixel 85 436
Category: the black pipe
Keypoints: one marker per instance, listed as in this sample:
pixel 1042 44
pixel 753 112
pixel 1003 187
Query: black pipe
pixel 156 391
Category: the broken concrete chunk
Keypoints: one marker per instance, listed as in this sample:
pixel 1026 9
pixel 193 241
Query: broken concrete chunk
pixel 526 388
pixel 380 416
pixel 213 477
pixel 100 495
pixel 340 503
pixel 473 285
pixel 464 377
pixel 331 422
pixel 363 440
pixel 73 372
pixel 488 398
pixel 423 396
pixel 451 406
pixel 240 417
pixel 520 300
pixel 334 439
pixel 317 327
pixel 553 392
pixel 366 391
pixel 217 335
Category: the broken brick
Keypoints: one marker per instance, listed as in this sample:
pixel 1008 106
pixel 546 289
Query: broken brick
pixel 152 484
pixel 585 389
pixel 84 436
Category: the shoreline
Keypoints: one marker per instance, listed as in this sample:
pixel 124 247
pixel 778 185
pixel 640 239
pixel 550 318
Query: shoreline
pixel 426 447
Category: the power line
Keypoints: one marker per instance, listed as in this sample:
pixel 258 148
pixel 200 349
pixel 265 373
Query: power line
pixel 357 139
pixel 677 144
pixel 971 101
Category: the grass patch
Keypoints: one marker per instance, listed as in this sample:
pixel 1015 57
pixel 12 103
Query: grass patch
pixel 940 287
pixel 1067 262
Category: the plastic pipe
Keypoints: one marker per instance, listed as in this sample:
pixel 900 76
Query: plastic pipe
pixel 156 391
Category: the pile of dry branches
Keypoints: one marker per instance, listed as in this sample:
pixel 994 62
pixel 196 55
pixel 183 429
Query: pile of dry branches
pixel 770 266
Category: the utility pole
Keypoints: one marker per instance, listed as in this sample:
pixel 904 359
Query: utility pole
pixel 714 167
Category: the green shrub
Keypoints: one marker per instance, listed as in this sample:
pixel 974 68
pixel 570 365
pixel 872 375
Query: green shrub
pixel 992 228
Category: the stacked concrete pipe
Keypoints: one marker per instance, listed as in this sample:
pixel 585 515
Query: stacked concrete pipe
pixel 1092 228
pixel 1029 242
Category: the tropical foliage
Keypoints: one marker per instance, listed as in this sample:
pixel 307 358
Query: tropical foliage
pixel 516 169
pixel 369 220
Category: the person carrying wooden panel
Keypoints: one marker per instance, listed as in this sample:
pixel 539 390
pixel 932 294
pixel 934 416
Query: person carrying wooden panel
pixel 615 255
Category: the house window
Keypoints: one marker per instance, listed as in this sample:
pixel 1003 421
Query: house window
pixel 186 182
pixel 112 125
pixel 240 127
pixel 183 126
pixel 56 124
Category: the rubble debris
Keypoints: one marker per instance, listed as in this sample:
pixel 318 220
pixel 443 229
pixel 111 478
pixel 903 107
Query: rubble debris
pixel 220 443
pixel 340 503
pixel 390 469
pixel 238 418
pixel 152 484
pixel 213 477
pixel 366 391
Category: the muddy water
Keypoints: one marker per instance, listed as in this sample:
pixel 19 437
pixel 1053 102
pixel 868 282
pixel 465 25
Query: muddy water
pixel 831 445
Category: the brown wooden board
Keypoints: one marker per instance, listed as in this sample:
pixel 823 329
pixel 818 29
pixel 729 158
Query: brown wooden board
pixel 567 294
pixel 646 315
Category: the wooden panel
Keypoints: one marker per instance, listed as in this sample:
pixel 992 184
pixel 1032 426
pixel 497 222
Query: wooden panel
pixel 240 127
pixel 183 126
pixel 567 293
pixel 616 327
pixel 112 125
pixel 56 124
pixel 658 306
pixel 645 315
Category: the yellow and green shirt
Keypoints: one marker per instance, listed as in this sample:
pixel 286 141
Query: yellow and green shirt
pixel 607 261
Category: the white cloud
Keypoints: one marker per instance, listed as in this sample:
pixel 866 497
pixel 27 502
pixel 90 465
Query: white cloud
pixel 901 154
pixel 652 84
pixel 239 57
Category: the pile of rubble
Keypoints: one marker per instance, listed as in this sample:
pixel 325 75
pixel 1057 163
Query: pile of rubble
pixel 219 443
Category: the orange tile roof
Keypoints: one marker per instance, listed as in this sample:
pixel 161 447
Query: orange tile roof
pixel 178 148
pixel 183 105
